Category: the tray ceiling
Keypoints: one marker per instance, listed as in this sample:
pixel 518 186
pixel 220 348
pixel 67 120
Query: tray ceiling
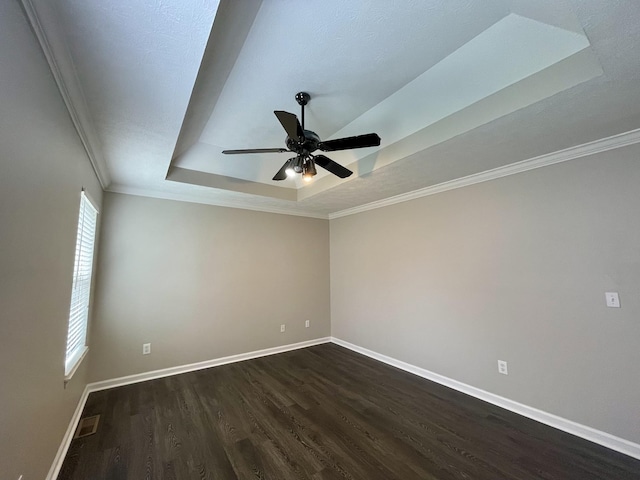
pixel 158 89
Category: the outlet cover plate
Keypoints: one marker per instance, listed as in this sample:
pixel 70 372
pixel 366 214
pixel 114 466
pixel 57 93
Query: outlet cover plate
pixel 502 367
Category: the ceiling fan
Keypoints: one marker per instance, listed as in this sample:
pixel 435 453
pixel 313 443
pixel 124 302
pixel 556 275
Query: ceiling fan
pixel 304 142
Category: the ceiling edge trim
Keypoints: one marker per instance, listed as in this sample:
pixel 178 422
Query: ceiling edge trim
pixel 221 182
pixel 209 82
pixel 97 162
pixel 181 197
pixel 571 153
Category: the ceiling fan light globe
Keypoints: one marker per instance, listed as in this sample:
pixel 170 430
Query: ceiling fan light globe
pixel 289 171
pixel 297 164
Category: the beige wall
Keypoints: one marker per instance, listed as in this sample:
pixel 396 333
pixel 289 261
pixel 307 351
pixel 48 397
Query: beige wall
pixel 200 282
pixel 42 170
pixel 513 269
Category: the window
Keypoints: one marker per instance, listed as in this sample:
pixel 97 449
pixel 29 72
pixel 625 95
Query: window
pixel 82 269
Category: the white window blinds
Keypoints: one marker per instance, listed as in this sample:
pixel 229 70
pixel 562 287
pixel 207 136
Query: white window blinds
pixel 82 269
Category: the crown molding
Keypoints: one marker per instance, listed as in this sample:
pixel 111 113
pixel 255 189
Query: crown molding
pixel 598 146
pixel 190 198
pixel 71 93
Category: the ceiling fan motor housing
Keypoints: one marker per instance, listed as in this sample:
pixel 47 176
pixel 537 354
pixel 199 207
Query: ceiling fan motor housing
pixel 303 146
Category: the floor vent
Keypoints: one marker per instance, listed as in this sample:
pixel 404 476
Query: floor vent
pixel 87 426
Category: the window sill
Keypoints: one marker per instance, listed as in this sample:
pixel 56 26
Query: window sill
pixel 75 366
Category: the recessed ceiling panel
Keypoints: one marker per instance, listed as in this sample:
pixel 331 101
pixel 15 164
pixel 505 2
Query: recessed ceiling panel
pixel 511 50
pixel 506 49
pixel 348 55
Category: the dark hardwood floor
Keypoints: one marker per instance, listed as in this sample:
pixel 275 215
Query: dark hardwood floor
pixel 321 413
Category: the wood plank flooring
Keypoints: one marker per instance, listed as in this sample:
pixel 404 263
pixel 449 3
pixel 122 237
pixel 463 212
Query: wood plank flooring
pixel 321 413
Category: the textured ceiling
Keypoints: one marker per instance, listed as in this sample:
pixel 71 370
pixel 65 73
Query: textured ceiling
pixel 454 87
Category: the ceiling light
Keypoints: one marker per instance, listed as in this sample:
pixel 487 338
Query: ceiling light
pixel 297 164
pixel 309 170
pixel 289 170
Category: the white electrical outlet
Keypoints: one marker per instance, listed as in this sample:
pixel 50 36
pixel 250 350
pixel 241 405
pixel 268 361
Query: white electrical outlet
pixel 613 300
pixel 306 324
pixel 146 348
pixel 502 367
pixel 282 327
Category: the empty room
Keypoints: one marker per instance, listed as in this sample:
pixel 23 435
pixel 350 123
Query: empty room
pixel 320 239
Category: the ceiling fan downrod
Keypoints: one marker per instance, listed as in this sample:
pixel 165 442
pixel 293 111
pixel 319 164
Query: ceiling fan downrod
pixel 302 98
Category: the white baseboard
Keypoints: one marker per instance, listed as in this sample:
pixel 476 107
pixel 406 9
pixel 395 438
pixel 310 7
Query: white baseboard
pixel 588 433
pixel 166 372
pixel 602 438
pixel 68 436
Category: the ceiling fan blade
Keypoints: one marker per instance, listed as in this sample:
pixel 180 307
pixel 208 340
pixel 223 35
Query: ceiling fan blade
pixel 332 166
pixel 255 150
pixel 359 141
pixel 290 124
pixel 282 173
